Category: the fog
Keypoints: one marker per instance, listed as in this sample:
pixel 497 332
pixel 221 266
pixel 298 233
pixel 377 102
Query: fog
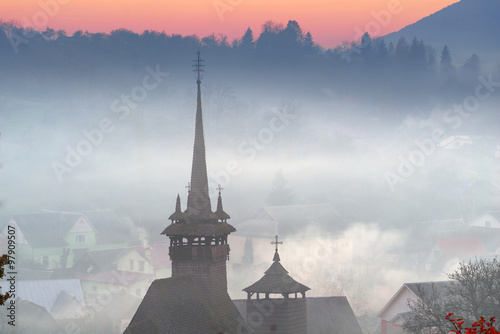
pixel 367 137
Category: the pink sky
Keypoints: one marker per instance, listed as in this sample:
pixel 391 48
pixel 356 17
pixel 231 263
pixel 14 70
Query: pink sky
pixel 329 21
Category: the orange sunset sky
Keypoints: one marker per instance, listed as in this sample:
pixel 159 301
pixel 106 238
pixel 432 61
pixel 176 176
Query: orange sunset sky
pixel 329 21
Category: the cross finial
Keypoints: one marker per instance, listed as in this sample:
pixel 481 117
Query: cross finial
pixel 219 188
pixel 198 67
pixel 188 187
pixel 276 243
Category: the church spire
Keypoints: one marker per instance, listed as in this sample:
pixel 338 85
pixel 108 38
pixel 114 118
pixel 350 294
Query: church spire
pixel 198 205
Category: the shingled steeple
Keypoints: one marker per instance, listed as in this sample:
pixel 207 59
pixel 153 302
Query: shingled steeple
pixel 198 204
pixel 198 236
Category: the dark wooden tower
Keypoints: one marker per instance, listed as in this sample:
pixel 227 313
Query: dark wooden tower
pixel 276 303
pixel 198 236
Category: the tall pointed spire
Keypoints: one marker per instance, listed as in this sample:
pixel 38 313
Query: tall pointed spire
pixel 198 205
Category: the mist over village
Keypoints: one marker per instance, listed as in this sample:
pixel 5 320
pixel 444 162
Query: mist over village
pixel 265 181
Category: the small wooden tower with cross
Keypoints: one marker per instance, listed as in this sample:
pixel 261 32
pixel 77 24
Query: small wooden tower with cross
pixel 198 236
pixel 276 303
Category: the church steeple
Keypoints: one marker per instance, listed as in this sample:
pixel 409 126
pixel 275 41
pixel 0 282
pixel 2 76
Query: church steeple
pixel 198 205
pixel 198 236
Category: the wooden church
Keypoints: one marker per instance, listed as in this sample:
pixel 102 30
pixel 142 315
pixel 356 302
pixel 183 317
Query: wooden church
pixel 195 298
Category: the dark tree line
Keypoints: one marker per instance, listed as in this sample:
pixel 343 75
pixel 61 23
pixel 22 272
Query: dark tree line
pixel 368 68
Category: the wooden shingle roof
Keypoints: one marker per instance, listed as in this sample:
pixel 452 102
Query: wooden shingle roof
pixel 210 229
pixel 176 305
pixel 277 280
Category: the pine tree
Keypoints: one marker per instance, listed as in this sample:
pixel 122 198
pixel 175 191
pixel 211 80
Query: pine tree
pixel 446 64
pixel 247 41
pixel 281 194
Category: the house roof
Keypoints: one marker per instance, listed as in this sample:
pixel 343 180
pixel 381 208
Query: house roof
pixel 35 319
pixel 494 214
pixel 331 315
pixel 106 259
pixel 111 227
pixel 176 305
pixel 291 218
pixel 115 277
pixel 98 261
pixel 47 229
pixel 426 288
pixel 62 301
pixel 277 280
pixel 46 292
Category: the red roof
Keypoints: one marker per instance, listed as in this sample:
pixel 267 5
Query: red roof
pixel 462 246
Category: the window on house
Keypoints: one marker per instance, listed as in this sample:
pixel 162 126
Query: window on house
pixel 131 262
pixel 141 265
pixel 81 239
pixel 45 261
pixel 487 223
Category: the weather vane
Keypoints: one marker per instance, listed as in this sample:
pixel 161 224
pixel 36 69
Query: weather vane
pixel 198 67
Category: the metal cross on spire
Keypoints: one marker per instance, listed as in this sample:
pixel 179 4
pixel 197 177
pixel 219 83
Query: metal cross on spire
pixel 219 188
pixel 188 187
pixel 276 243
pixel 198 67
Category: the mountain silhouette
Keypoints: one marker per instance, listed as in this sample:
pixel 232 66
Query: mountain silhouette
pixel 467 26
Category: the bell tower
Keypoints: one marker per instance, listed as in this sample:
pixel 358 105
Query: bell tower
pixel 281 296
pixel 198 236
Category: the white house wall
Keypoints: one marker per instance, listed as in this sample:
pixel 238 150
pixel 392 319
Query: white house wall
pixel 398 305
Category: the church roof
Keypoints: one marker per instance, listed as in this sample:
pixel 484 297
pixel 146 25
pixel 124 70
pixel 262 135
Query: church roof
pixel 198 198
pixel 176 305
pixel 198 229
pixel 276 280
pixel 331 315
pixel 324 315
